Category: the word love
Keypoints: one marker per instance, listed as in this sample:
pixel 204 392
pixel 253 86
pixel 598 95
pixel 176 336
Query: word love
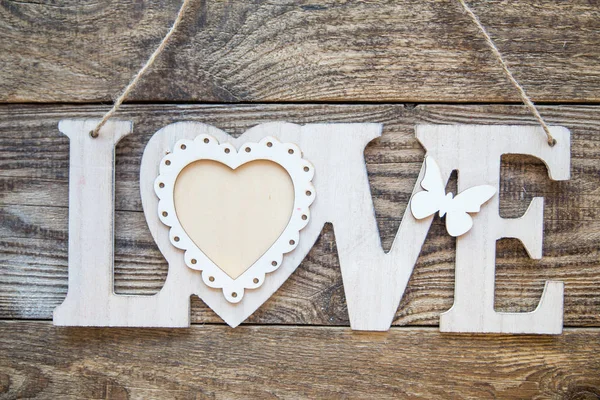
pixel 322 167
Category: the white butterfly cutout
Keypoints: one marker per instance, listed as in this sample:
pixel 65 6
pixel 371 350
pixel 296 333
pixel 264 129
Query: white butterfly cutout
pixel 434 199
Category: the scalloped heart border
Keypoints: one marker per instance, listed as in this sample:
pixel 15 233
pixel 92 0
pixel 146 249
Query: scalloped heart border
pixel 207 147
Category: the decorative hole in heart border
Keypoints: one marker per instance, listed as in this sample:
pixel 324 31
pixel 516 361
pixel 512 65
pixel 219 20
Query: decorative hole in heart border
pixel 206 147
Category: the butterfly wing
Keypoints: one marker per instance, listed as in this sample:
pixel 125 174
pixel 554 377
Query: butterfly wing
pixel 471 200
pixel 426 203
pixel 458 223
pixel 432 181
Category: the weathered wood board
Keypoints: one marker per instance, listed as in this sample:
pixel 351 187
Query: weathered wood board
pixel 34 171
pixel 379 53
pixel 41 361
pixel 326 50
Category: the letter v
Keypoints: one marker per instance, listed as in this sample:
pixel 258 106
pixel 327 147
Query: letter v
pixel 374 281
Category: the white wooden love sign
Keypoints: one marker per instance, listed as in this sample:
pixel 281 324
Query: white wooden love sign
pixel 234 217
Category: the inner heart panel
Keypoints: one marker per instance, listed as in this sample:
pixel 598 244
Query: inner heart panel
pixel 234 216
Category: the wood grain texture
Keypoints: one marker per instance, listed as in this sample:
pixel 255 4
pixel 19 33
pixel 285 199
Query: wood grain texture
pixel 475 152
pixel 33 204
pixel 326 50
pixel 38 360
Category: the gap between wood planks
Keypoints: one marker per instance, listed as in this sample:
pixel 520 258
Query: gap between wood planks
pixel 308 326
pixel 407 104
pixel 194 325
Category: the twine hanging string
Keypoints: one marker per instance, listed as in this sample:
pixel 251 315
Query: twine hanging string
pixel 136 79
pixel 96 131
pixel 524 96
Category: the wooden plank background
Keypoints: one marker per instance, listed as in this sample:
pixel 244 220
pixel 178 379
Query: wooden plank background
pixel 315 50
pixel 298 61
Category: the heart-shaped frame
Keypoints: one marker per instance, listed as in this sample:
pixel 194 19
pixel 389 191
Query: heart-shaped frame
pixel 207 147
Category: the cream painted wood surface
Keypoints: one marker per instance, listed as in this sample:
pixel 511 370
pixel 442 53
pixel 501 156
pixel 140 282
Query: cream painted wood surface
pixel 91 300
pixel 374 281
pixel 475 151
pixel 35 213
pixel 234 216
pixel 319 143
